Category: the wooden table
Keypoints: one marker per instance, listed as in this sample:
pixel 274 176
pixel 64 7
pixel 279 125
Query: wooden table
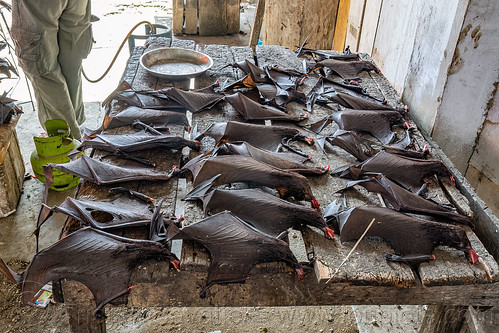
pixel 367 278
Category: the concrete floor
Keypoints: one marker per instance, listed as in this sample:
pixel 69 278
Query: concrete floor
pixel 16 239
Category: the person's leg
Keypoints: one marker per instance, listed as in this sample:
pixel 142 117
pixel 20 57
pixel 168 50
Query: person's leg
pixel 75 41
pixel 35 26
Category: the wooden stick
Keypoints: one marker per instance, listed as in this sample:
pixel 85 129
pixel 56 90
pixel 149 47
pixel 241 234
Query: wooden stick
pixel 257 23
pixel 351 251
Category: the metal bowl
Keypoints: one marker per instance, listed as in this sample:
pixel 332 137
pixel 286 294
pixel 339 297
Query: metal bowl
pixel 175 63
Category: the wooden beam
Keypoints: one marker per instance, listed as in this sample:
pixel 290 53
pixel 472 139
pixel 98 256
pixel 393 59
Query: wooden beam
pixel 191 17
pixel 257 23
pixel 340 31
pixel 178 17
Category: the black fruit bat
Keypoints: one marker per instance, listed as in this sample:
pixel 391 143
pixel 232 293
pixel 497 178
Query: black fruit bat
pixel 283 86
pixel 120 212
pixel 346 69
pixel 104 173
pixel 264 211
pixel 235 248
pixel 192 100
pixel 130 114
pixel 405 171
pixel 237 168
pixel 265 137
pixel 412 239
pixel 285 161
pixel 406 201
pixel 122 144
pixel 101 261
pixel 254 75
pixel 351 142
pixel 251 110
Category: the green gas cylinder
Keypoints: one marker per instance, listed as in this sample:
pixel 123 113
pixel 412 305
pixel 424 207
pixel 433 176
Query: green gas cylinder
pixel 54 149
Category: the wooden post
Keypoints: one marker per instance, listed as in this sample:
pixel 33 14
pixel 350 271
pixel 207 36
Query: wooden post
pixel 289 22
pixel 191 17
pixel 257 23
pixel 443 319
pixel 80 306
pixel 340 31
pixel 178 17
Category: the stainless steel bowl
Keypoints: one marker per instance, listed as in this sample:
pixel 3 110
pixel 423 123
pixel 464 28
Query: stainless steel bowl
pixel 175 63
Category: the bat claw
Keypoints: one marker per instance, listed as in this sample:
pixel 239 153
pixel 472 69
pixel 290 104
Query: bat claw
pixel 309 140
pixel 176 264
pixel 315 204
pixel 301 274
pixel 406 125
pixel 326 168
pixel 453 180
pixel 328 232
pixel 472 256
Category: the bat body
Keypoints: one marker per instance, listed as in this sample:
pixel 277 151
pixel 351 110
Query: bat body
pixel 193 100
pixel 376 123
pixel 251 110
pixel 264 211
pixel 352 143
pixel 405 171
pixel 236 168
pixel 116 143
pixel 265 137
pixel 103 173
pixel 130 114
pixel 103 262
pixel 285 161
pixel 406 201
pixel 412 239
pixel 235 248
pixel 347 69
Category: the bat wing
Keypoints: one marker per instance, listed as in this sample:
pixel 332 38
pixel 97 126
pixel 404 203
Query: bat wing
pixel 235 247
pixel 149 116
pixel 264 211
pixel 101 261
pixel 376 123
pixel 347 69
pixel 357 103
pixel 353 144
pixel 193 101
pixel 104 173
pixel 406 201
pixel 278 160
pixel 120 212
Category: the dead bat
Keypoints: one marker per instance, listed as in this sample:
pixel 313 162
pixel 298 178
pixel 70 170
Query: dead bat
pixel 412 239
pixel 377 123
pixel 251 110
pixel 326 55
pixel 104 173
pixel 120 144
pixel 405 171
pixel 264 211
pixel 149 116
pixel 406 201
pixel 265 137
pixel 120 212
pixel 352 143
pixel 6 68
pixel 101 261
pixel 285 161
pixel 346 69
pixel 235 248
pixel 238 168
pixel 193 100
pixel 283 89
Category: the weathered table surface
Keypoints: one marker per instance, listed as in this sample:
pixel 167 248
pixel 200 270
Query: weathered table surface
pixel 366 278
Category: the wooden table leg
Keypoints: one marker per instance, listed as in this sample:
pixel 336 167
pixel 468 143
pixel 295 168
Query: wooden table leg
pixel 80 306
pixel 443 319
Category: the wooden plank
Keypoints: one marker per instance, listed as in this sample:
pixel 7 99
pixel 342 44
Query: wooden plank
pixel 355 17
pixel 319 22
pixel 233 16
pixel 257 23
pixel 443 319
pixel 284 288
pixel 369 26
pixel 283 22
pixel 178 17
pixel 191 17
pixel 213 18
pixel 80 305
pixel 297 245
pixel 340 30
